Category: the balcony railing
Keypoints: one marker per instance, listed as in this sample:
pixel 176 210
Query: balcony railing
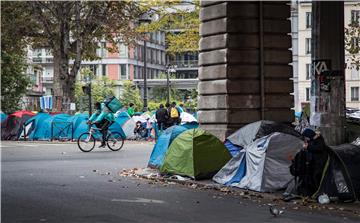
pixel 184 64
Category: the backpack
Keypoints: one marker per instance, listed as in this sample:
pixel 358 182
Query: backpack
pixel 174 113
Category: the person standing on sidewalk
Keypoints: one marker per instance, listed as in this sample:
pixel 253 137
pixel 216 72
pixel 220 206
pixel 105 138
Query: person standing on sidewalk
pixel 161 117
pixel 174 114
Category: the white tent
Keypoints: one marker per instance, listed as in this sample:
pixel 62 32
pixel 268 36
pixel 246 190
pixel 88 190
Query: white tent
pixel 187 117
pixel 262 165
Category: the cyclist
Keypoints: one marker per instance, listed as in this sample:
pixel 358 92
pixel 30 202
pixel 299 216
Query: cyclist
pixel 102 118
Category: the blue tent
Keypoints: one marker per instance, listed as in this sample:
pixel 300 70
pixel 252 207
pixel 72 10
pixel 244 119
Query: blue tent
pixel 119 121
pixel 162 144
pixel 46 127
pixel 79 124
pixel 3 116
pixel 190 125
pixel 232 148
pixel 37 127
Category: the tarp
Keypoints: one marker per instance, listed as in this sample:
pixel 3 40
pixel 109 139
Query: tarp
pixel 262 165
pixel 195 153
pixel 36 127
pixel 247 134
pixel 128 128
pixel 187 117
pixel 79 124
pixel 162 145
pixel 12 126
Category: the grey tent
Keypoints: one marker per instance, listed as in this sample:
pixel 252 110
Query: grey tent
pixel 247 134
pixel 263 165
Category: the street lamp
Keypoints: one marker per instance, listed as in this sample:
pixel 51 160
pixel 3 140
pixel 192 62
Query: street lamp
pixel 170 69
pixel 87 90
pixel 145 19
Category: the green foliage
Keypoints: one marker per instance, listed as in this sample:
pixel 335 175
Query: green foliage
pixel 14 81
pixel 131 94
pixel 352 34
pixel 100 89
pixel 171 18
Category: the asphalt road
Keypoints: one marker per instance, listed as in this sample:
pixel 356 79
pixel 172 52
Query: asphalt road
pixel 58 183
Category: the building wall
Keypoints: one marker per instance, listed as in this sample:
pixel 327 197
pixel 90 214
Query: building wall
pixel 110 63
pixel 304 58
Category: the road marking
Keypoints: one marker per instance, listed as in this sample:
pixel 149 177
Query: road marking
pixel 139 200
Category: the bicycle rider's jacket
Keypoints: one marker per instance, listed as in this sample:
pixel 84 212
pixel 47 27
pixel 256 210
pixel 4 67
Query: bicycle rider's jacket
pixel 103 113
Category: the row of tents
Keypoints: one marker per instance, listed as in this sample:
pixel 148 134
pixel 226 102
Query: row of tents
pixel 43 126
pixel 256 157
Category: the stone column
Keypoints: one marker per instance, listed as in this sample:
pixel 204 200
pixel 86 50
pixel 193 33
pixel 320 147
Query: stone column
pixel 244 73
pixel 327 81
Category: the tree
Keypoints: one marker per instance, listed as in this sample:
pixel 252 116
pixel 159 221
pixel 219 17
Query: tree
pixel 73 29
pixel 131 94
pixel 181 23
pixel 14 81
pixel 100 89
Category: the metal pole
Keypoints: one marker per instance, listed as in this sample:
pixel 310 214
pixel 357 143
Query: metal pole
pixel 90 102
pixel 145 78
pixel 168 86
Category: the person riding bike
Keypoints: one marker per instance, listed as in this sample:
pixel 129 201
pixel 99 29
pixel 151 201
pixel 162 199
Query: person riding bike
pixel 102 118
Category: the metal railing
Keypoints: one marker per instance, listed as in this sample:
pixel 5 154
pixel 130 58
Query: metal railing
pixel 184 63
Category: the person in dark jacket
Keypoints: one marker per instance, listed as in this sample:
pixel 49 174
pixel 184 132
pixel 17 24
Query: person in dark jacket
pixel 162 117
pixel 309 163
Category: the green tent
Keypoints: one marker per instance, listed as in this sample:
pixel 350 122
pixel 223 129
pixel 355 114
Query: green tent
pixel 195 153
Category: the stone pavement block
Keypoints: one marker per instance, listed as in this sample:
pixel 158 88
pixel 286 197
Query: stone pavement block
pixel 213 42
pixel 213 102
pixel 281 10
pixel 277 56
pixel 213 11
pixel 212 72
pixel 212 87
pixel 278 86
pixel 212 57
pixel 213 116
pixel 280 115
pixel 213 27
pixel 278 71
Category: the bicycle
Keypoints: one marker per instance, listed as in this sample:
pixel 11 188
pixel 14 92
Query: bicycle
pixel 86 141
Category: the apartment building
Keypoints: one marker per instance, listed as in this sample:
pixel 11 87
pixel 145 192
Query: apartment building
pixel 126 64
pixel 35 90
pixel 301 35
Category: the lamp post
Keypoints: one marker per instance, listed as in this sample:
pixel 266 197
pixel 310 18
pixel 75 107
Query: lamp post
pixel 170 69
pixel 145 19
pixel 87 90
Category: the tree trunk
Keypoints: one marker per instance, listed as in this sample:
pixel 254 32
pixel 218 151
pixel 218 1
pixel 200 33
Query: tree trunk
pixel 64 83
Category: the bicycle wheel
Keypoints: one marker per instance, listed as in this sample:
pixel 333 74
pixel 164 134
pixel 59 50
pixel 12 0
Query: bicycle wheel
pixel 115 141
pixel 86 142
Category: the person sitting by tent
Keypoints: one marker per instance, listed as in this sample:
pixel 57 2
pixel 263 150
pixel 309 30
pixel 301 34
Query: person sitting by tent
pixel 309 163
pixel 139 130
pixel 102 118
